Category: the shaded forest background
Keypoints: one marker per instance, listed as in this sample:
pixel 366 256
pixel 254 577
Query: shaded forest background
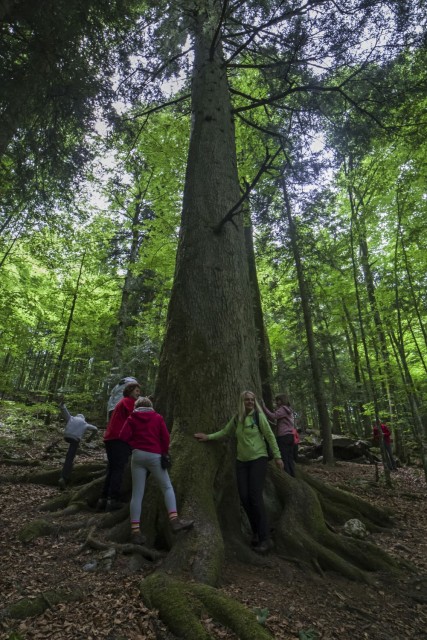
pixel 331 150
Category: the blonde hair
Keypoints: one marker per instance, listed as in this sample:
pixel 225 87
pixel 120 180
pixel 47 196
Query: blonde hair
pixel 242 410
pixel 143 402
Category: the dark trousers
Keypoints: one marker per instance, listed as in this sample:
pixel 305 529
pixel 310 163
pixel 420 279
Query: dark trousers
pixel 118 453
pixel 250 484
pixel 295 455
pixel 286 446
pixel 73 445
pixel 389 456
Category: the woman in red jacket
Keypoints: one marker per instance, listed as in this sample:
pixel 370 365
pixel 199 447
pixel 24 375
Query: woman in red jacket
pixel 118 452
pixel 146 433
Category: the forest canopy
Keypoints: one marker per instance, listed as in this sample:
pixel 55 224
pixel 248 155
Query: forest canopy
pixel 329 110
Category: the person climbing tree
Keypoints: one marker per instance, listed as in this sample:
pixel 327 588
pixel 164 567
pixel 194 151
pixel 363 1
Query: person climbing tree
pixel 75 429
pixel 146 433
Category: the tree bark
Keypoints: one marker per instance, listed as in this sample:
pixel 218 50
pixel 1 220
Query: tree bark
pixel 322 409
pixel 209 352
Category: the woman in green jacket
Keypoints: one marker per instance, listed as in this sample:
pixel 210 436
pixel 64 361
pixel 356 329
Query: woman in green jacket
pixel 253 434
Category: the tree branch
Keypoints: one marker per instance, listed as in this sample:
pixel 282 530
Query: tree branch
pixel 148 112
pixel 269 132
pixel 217 30
pixel 268 161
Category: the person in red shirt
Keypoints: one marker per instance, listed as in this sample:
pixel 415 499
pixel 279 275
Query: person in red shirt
pixel 118 452
pixel 146 433
pixel 391 463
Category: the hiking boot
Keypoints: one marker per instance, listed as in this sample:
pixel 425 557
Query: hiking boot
pixel 179 524
pixel 101 504
pixel 62 483
pixel 262 547
pixel 113 505
pixel 137 538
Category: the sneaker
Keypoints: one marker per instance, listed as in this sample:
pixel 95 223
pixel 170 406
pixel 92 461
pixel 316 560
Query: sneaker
pixel 101 504
pixel 179 524
pixel 62 483
pixel 113 505
pixel 137 538
pixel 262 547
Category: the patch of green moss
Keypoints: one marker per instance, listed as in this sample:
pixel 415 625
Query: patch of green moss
pixel 35 529
pixel 27 608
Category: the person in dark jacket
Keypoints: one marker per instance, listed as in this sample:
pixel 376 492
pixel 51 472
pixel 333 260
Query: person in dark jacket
pixel 75 428
pixel 118 452
pixel 146 433
pixel 117 394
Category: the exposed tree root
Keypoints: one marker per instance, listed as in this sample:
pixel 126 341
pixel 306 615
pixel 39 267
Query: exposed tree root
pixel 13 462
pixel 181 604
pixel 302 532
pixel 339 505
pixel 301 511
pixel 93 543
pixel 28 607
pixel 81 474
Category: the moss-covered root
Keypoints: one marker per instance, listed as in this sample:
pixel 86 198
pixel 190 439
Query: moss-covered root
pixel 75 499
pixel 180 606
pixel 81 473
pixel 303 534
pixel 27 607
pixel 35 529
pixel 339 506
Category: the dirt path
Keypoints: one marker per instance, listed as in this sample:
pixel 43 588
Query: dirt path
pixel 297 603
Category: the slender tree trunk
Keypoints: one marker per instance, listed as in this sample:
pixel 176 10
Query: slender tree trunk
pixel 322 409
pixel 362 390
pixel 364 341
pixel 122 318
pixel 55 380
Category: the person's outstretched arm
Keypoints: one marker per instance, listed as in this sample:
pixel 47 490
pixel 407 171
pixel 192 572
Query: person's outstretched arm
pixel 64 411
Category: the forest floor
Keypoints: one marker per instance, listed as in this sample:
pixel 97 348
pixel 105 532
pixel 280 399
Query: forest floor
pixel 298 603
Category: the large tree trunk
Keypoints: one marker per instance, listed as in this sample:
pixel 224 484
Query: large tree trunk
pixel 264 352
pixel 209 352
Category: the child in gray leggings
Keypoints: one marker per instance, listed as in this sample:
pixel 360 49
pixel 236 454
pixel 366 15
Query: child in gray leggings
pixel 146 432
